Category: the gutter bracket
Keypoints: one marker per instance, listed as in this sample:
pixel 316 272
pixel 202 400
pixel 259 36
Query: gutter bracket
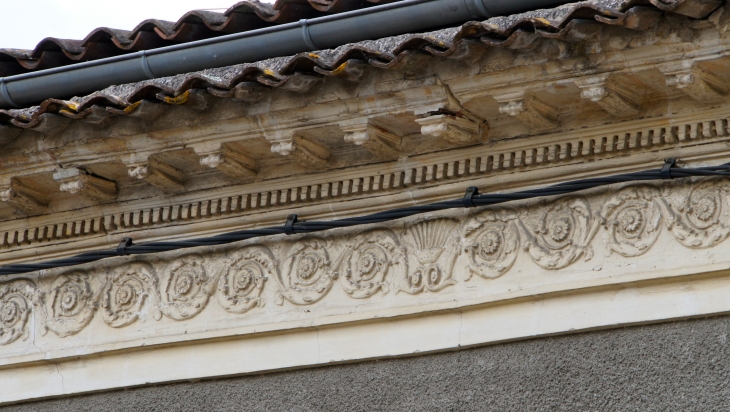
pixel 6 94
pixel 306 35
pixel 146 65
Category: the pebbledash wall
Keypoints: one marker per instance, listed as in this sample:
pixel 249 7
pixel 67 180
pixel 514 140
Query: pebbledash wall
pixel 444 310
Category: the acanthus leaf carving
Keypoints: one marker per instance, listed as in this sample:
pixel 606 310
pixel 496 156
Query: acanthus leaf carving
pixel 370 257
pixel 242 281
pixel 632 220
pixel 435 252
pixel 493 244
pixel 702 219
pixel 125 295
pixel 16 305
pixel 307 273
pixel 186 288
pixel 562 234
pixel 71 304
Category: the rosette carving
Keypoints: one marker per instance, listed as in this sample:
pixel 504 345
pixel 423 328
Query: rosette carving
pixel 632 220
pixel 562 234
pixel 71 304
pixel 16 305
pixel 368 261
pixel 186 288
pixel 241 283
pixel 703 216
pixel 434 245
pixel 125 295
pixel 493 243
pixel 307 273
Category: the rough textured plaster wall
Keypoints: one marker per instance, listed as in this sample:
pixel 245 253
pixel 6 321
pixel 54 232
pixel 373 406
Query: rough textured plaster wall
pixel 672 366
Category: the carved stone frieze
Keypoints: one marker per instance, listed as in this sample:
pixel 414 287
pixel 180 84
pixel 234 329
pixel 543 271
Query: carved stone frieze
pixel 16 305
pixel 186 287
pixel 492 244
pixel 433 252
pixel 371 257
pixel 421 257
pixel 126 294
pixel 241 283
pixel 70 304
pixel 307 272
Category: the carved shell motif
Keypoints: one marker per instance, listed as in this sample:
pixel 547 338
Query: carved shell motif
pixel 435 252
pixel 492 246
pixel 186 288
pixel 125 295
pixel 16 304
pixel 71 304
pixel 307 273
pixel 703 216
pixel 632 220
pixel 368 261
pixel 241 283
pixel 562 234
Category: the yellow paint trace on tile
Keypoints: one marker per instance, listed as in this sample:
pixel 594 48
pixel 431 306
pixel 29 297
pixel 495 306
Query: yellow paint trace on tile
pixel 339 69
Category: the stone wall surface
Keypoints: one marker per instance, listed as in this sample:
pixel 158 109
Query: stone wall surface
pixel 681 365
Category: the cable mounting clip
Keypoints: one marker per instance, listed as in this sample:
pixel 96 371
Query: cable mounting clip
pixel 471 191
pixel 123 245
pixel 668 164
pixel 289 227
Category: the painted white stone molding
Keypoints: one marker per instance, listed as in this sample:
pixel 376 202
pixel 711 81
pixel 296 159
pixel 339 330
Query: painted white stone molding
pixel 77 181
pixel 422 257
pixel 528 109
pixel 232 163
pixel 453 129
pixel 158 174
pixel 304 152
pixel 612 98
pixel 23 198
pixel 374 139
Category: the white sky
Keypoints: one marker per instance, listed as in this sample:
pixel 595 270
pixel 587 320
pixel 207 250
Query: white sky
pixel 23 23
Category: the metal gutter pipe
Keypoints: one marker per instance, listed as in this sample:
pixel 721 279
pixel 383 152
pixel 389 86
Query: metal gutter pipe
pixel 321 33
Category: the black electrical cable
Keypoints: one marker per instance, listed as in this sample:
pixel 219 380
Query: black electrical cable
pixel 294 226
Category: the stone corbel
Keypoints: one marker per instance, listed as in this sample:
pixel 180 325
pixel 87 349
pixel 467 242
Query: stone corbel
pixel 23 198
pixel 304 152
pixel 228 161
pixel 528 109
pixel 453 129
pixel 611 98
pixel 158 174
pixel 697 83
pixel 77 181
pixel 374 139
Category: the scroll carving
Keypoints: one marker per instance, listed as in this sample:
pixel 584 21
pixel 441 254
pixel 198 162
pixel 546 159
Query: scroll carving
pixel 186 288
pixel 434 252
pixel 562 234
pixel 421 257
pixel 632 220
pixel 71 304
pixel 241 283
pixel 493 244
pixel 372 255
pixel 126 293
pixel 16 305
pixel 307 273
pixel 703 218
